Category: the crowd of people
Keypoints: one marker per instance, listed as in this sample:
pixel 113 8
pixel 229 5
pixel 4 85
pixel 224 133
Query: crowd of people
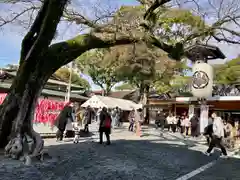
pixel 106 118
pixel 174 123
pixel 219 132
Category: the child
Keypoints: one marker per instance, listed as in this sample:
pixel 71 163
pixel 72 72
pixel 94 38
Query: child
pixel 76 128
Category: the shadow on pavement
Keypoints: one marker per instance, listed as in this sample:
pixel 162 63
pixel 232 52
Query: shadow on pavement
pixel 176 138
pixel 122 160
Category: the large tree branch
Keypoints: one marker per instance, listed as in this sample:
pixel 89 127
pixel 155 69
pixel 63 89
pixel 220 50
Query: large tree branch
pixel 31 37
pixel 154 6
pixel 44 27
pixel 65 52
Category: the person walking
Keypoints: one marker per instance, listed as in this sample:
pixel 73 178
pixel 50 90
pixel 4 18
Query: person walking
pixel 208 132
pixel 161 119
pixel 87 118
pixel 98 114
pixel 131 120
pixel 182 124
pixel 174 123
pixel 115 117
pixel 79 116
pixel 138 117
pixel 194 125
pixel 169 121
pixel 61 121
pixel 187 124
pixel 105 126
pixel 217 136
pixel 228 135
pixel 120 117
pixel 157 120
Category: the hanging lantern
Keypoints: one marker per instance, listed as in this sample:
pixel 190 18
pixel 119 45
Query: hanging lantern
pixel 202 80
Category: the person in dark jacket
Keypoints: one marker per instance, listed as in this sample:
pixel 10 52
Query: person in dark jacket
pixel 208 131
pixel 88 114
pixel 62 120
pixel 105 126
pixel 194 126
pixel 160 120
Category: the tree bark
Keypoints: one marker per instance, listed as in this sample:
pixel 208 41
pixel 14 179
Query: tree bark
pixel 144 91
pixel 17 110
pixel 17 114
pixel 108 89
pixel 146 94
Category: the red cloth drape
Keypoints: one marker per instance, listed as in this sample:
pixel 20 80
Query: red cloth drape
pixel 46 110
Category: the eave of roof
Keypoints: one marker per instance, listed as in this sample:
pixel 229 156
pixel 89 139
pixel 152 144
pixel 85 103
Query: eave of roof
pixel 50 92
pixel 208 52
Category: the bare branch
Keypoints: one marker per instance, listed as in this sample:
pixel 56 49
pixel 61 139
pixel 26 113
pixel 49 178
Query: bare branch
pixel 156 4
pixel 6 21
pixel 225 40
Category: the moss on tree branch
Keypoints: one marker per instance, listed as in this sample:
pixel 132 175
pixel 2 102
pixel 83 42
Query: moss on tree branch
pixel 65 52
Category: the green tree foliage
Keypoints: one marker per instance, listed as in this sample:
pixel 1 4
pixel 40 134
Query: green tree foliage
pixel 64 74
pixel 228 73
pixel 101 66
pixel 138 63
pixel 135 64
pixel 173 79
pixel 175 25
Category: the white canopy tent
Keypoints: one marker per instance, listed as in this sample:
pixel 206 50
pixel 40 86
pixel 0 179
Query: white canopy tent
pixel 109 102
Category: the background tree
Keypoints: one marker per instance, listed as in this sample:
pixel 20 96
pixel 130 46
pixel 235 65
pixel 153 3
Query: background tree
pixel 228 73
pixel 64 74
pixel 101 67
pixel 174 79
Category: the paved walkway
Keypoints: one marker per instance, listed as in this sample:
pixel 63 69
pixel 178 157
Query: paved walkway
pixel 150 157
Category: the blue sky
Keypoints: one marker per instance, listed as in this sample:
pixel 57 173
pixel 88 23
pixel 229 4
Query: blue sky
pixel 11 36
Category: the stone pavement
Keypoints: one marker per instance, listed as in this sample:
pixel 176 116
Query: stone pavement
pixel 150 157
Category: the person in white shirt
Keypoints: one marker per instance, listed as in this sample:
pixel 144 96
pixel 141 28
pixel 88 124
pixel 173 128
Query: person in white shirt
pixel 98 114
pixel 217 136
pixel 172 122
pixel 169 121
pixel 186 122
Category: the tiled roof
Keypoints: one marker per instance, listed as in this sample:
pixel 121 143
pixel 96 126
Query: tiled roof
pixel 120 94
pixel 52 81
pixel 50 92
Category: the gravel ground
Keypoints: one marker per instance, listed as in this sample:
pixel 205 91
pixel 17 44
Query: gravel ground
pixel 150 157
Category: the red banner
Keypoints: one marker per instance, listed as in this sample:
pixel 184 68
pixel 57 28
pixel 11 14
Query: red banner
pixel 46 110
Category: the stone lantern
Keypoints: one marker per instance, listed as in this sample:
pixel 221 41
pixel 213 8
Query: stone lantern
pixel 202 79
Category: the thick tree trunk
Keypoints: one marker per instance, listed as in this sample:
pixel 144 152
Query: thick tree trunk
pixel 17 112
pixel 107 89
pixel 144 91
pixel 146 94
